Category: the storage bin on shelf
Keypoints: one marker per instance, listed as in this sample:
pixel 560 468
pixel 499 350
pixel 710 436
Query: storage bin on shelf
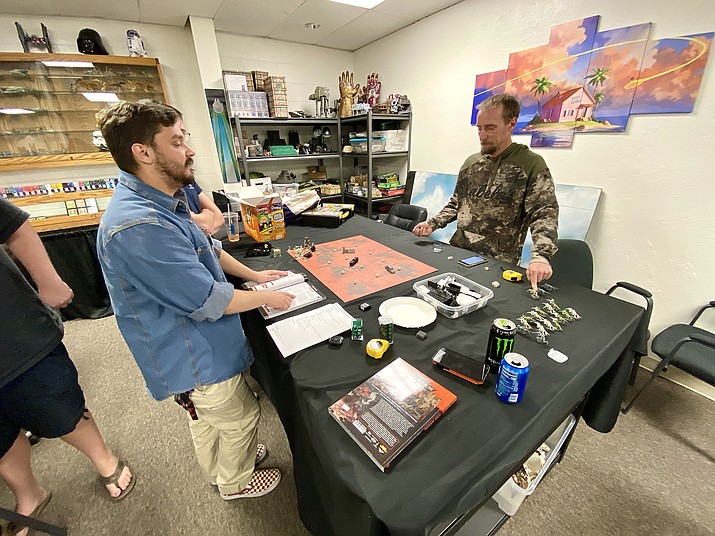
pixel 359 145
pixel 422 289
pixel 510 496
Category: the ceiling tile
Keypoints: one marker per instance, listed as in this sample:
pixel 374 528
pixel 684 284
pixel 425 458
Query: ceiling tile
pixel 279 19
pixel 329 15
pixel 253 17
pixel 176 12
pixel 364 30
pixel 413 9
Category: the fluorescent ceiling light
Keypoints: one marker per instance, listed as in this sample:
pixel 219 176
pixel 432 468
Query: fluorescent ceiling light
pixel 101 97
pixel 68 64
pixel 367 4
pixel 15 111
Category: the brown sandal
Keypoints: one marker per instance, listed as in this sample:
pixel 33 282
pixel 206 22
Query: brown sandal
pixel 114 479
pixel 13 528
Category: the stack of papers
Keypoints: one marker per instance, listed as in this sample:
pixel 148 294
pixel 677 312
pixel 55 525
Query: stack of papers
pixel 303 331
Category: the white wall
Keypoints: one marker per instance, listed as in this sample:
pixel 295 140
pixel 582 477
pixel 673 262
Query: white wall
pixel 304 66
pixel 655 225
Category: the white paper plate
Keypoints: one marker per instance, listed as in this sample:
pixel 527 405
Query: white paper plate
pixel 408 312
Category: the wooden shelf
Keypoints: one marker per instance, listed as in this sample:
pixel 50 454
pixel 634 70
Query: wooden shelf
pixel 16 163
pixel 56 223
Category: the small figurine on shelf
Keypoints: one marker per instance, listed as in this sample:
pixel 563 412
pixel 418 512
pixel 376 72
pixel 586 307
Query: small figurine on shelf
pixel 398 103
pixel 34 40
pixel 321 96
pixel 135 44
pixel 98 140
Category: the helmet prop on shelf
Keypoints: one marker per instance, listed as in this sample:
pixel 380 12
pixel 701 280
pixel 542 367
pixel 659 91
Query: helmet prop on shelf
pixel 89 42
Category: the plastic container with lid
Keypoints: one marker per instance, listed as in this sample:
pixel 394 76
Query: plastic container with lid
pixel 359 145
pixel 511 495
pixel 475 289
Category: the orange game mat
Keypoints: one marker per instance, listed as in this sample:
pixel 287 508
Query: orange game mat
pixel 368 275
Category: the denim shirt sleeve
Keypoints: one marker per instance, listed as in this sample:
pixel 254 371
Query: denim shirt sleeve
pixel 164 265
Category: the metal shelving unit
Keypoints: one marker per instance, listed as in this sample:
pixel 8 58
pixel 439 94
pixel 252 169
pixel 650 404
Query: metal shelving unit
pixel 277 123
pixel 370 119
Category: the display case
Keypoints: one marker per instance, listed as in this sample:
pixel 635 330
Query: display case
pixel 48 104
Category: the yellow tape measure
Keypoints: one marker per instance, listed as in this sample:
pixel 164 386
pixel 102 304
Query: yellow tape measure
pixel 376 347
pixel 511 275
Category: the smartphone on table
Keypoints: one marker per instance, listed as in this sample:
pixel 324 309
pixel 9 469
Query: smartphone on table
pixel 472 261
pixel 467 368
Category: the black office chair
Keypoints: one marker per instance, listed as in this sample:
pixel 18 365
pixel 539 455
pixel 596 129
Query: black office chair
pixel 406 216
pixel 642 334
pixel 686 346
pixel 573 262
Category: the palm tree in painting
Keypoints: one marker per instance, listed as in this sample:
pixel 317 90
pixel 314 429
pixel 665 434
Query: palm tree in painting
pixel 598 77
pixel 598 97
pixel 541 87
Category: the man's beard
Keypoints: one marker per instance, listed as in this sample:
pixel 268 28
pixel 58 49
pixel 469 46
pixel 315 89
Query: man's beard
pixel 176 175
pixel 488 148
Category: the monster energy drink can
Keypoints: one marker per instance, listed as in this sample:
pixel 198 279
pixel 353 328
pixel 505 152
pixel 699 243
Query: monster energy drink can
pixel 501 342
pixel 386 328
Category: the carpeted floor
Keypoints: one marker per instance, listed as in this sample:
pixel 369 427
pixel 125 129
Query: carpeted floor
pixel 654 474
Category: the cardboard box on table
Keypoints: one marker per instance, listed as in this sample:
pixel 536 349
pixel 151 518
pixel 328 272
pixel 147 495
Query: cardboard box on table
pixel 262 214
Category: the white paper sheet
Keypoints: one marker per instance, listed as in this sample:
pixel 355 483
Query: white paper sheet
pixel 304 293
pixel 302 331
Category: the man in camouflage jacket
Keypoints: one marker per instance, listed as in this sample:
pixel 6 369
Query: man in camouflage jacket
pixel 500 193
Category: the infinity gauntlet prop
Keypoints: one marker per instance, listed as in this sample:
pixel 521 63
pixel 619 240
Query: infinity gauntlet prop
pixel 348 91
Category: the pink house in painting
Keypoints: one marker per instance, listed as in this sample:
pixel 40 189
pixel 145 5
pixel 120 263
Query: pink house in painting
pixel 570 105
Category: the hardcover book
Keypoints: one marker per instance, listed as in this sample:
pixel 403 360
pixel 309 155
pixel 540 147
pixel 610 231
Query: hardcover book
pixel 389 410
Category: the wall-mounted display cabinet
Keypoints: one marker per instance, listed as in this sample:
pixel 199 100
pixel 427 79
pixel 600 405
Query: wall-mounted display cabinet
pixel 48 104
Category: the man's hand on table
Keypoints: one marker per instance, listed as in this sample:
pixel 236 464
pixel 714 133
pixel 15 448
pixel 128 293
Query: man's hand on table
pixel 422 229
pixel 538 271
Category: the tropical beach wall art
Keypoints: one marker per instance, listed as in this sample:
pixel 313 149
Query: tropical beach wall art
pixel 584 80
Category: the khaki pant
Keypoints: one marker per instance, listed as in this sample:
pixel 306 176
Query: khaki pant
pixel 226 434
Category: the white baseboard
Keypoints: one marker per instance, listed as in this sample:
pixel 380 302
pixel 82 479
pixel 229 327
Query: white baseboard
pixel 679 377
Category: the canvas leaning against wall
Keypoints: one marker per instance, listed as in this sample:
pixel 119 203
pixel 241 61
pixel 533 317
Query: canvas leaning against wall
pixel 584 80
pixel 577 205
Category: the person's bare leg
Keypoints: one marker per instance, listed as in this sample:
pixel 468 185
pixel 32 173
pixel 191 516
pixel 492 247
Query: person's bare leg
pixel 87 439
pixel 16 471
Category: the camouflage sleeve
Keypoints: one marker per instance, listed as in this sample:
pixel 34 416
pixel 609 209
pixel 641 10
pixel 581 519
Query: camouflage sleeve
pixel 542 210
pixel 447 215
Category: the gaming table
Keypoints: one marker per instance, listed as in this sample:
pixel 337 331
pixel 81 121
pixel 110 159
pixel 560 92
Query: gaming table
pixel 458 463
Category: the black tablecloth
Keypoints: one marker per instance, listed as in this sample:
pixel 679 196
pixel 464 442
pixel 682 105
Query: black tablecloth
pixel 74 255
pixel 464 458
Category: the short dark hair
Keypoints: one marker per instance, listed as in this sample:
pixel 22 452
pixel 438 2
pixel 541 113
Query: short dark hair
pixel 127 123
pixel 510 106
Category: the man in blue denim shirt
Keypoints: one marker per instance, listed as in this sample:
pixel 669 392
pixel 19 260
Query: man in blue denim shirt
pixel 174 307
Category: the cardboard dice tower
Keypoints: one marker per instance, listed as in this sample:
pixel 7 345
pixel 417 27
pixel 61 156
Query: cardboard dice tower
pixel 262 215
